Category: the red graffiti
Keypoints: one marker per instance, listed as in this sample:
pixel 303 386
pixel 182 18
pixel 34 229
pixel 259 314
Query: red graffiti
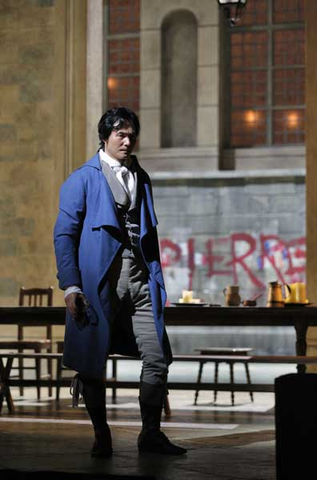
pixel 272 244
pixel 215 263
pixel 244 255
pixel 191 262
pixel 298 253
pixel 241 260
pixel 170 252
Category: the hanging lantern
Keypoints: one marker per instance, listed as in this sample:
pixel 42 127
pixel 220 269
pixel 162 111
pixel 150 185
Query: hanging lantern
pixel 233 9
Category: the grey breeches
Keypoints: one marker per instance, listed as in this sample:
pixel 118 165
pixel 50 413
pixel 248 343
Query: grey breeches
pixel 128 279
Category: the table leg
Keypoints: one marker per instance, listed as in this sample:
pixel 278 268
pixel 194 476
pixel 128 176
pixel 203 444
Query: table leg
pixel 231 365
pixel 301 344
pixel 216 381
pixel 247 372
pixel 114 376
pixel 4 387
pixel 201 366
pixel 166 406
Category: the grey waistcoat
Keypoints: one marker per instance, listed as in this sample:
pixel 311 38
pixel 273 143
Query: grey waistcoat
pixel 128 210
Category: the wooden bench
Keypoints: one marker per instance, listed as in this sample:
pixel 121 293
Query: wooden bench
pixel 6 382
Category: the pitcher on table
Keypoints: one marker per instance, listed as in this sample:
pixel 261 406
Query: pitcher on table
pixel 275 295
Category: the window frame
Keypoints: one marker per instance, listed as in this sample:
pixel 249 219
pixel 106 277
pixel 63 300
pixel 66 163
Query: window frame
pixel 270 27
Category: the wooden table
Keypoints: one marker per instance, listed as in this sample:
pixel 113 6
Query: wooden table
pixel 299 317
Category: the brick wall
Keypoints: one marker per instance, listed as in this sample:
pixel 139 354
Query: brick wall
pixel 123 70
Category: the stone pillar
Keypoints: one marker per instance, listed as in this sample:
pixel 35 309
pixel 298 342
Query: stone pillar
pixel 311 163
pixel 95 69
pixel 75 83
pixel 69 111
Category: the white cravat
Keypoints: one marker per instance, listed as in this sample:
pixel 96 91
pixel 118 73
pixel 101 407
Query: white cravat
pixel 123 174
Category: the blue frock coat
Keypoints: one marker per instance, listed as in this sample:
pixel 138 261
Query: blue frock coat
pixel 87 237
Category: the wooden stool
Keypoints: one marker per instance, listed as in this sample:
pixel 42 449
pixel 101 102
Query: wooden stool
pixel 218 352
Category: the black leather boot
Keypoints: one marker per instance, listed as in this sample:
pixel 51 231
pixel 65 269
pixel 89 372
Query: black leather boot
pixel 94 397
pixel 151 439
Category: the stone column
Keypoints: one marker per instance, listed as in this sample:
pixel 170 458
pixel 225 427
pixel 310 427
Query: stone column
pixel 311 163
pixel 75 107
pixel 95 69
pixel 69 107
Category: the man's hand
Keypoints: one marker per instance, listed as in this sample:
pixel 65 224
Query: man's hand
pixel 76 303
pixel 70 301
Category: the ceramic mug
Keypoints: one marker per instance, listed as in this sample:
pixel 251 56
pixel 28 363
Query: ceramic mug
pixel 296 292
pixel 232 297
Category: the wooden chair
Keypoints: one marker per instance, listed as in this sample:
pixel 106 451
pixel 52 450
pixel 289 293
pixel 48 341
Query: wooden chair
pixel 33 297
pixel 226 352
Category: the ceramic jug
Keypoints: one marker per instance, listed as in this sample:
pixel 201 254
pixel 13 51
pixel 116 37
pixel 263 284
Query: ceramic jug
pixel 275 295
pixel 232 296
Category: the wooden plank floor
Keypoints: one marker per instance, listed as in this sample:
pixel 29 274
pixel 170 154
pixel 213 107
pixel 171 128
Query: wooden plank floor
pixel 223 442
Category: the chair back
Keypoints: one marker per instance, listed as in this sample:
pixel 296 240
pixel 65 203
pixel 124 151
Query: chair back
pixel 34 297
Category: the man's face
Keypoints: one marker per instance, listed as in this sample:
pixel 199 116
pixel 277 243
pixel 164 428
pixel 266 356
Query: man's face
pixel 120 143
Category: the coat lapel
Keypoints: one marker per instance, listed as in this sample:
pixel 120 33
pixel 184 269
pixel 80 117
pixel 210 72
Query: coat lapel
pixel 147 215
pixel 148 222
pixel 118 192
pixel 105 208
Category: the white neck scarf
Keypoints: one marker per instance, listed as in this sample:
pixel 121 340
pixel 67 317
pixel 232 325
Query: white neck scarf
pixel 123 174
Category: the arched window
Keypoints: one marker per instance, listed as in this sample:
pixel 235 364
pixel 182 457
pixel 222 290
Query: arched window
pixel 179 80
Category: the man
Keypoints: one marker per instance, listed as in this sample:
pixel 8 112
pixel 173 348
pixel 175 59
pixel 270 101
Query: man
pixel 108 264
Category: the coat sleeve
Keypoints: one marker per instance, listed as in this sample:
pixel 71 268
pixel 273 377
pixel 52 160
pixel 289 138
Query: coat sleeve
pixel 67 230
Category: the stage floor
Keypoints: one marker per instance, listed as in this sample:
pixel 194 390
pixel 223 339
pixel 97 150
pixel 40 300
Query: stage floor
pixel 223 441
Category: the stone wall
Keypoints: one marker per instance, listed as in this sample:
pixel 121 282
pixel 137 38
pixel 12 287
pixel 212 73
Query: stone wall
pixel 27 62
pixel 233 228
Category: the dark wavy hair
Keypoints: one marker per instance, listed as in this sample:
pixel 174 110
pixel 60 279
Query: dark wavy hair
pixel 114 119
